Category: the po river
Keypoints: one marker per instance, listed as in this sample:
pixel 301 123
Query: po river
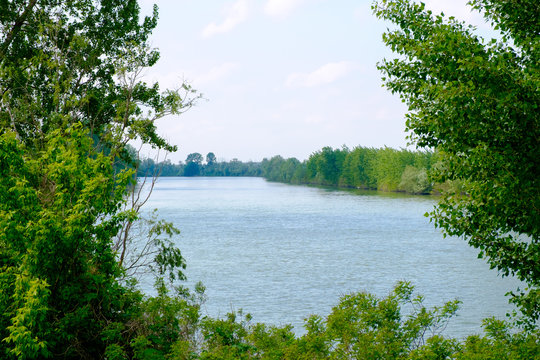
pixel 282 252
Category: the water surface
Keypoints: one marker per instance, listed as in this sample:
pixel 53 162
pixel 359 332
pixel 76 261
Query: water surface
pixel 283 252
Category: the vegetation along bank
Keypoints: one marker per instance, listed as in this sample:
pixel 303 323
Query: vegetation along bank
pixel 385 169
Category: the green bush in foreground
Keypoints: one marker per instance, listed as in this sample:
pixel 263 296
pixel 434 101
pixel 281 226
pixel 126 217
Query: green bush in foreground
pixel 65 295
pixel 361 326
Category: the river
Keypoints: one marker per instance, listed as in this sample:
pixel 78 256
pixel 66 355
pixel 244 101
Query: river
pixel 282 252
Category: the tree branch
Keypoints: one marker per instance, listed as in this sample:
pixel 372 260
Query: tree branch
pixel 16 28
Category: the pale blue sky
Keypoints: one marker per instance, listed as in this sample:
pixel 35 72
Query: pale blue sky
pixel 280 76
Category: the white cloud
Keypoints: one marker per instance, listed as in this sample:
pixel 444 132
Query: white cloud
pixel 216 73
pixel 324 75
pixel 235 14
pixel 281 8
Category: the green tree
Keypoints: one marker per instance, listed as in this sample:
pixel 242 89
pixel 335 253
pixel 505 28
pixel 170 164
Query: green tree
pixel 58 63
pixel 59 271
pixel 210 159
pixel 71 101
pixel 271 169
pixel 325 166
pixel 477 102
pixel 388 166
pixel 289 170
pixel 358 168
pixel 360 326
pixel 195 158
pixel 193 164
pixel 415 181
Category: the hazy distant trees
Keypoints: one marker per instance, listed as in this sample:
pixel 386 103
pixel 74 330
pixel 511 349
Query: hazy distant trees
pixel 194 166
pixel 210 159
pixel 383 169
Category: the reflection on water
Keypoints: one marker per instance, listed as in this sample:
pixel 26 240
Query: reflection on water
pixel 283 252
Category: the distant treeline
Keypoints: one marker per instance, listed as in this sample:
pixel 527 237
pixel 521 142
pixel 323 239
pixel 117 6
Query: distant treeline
pixel 194 166
pixel 385 169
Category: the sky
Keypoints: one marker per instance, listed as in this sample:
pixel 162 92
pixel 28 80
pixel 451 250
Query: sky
pixel 278 77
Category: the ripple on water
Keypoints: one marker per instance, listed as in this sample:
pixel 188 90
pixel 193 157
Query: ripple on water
pixel 283 252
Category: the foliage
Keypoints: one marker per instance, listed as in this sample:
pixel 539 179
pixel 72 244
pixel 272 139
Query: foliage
pixel 148 247
pixel 477 103
pixel 197 168
pixel 64 292
pixel 58 216
pixel 364 168
pixel 170 324
pixel 363 326
pixel 358 169
pixel 71 99
pixel 210 158
pixel 326 165
pixel 415 181
pixel 284 170
pixel 65 62
pixel 193 164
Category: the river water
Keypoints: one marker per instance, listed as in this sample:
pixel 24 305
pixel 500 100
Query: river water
pixel 282 252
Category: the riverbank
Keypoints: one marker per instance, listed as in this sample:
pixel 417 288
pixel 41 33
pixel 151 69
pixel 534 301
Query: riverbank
pixel 383 169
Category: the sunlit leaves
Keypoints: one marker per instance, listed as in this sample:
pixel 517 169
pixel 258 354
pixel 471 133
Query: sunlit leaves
pixel 477 103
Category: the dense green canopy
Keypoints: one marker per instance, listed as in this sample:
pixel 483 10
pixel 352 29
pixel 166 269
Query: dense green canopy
pixel 478 103
pixel 71 98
